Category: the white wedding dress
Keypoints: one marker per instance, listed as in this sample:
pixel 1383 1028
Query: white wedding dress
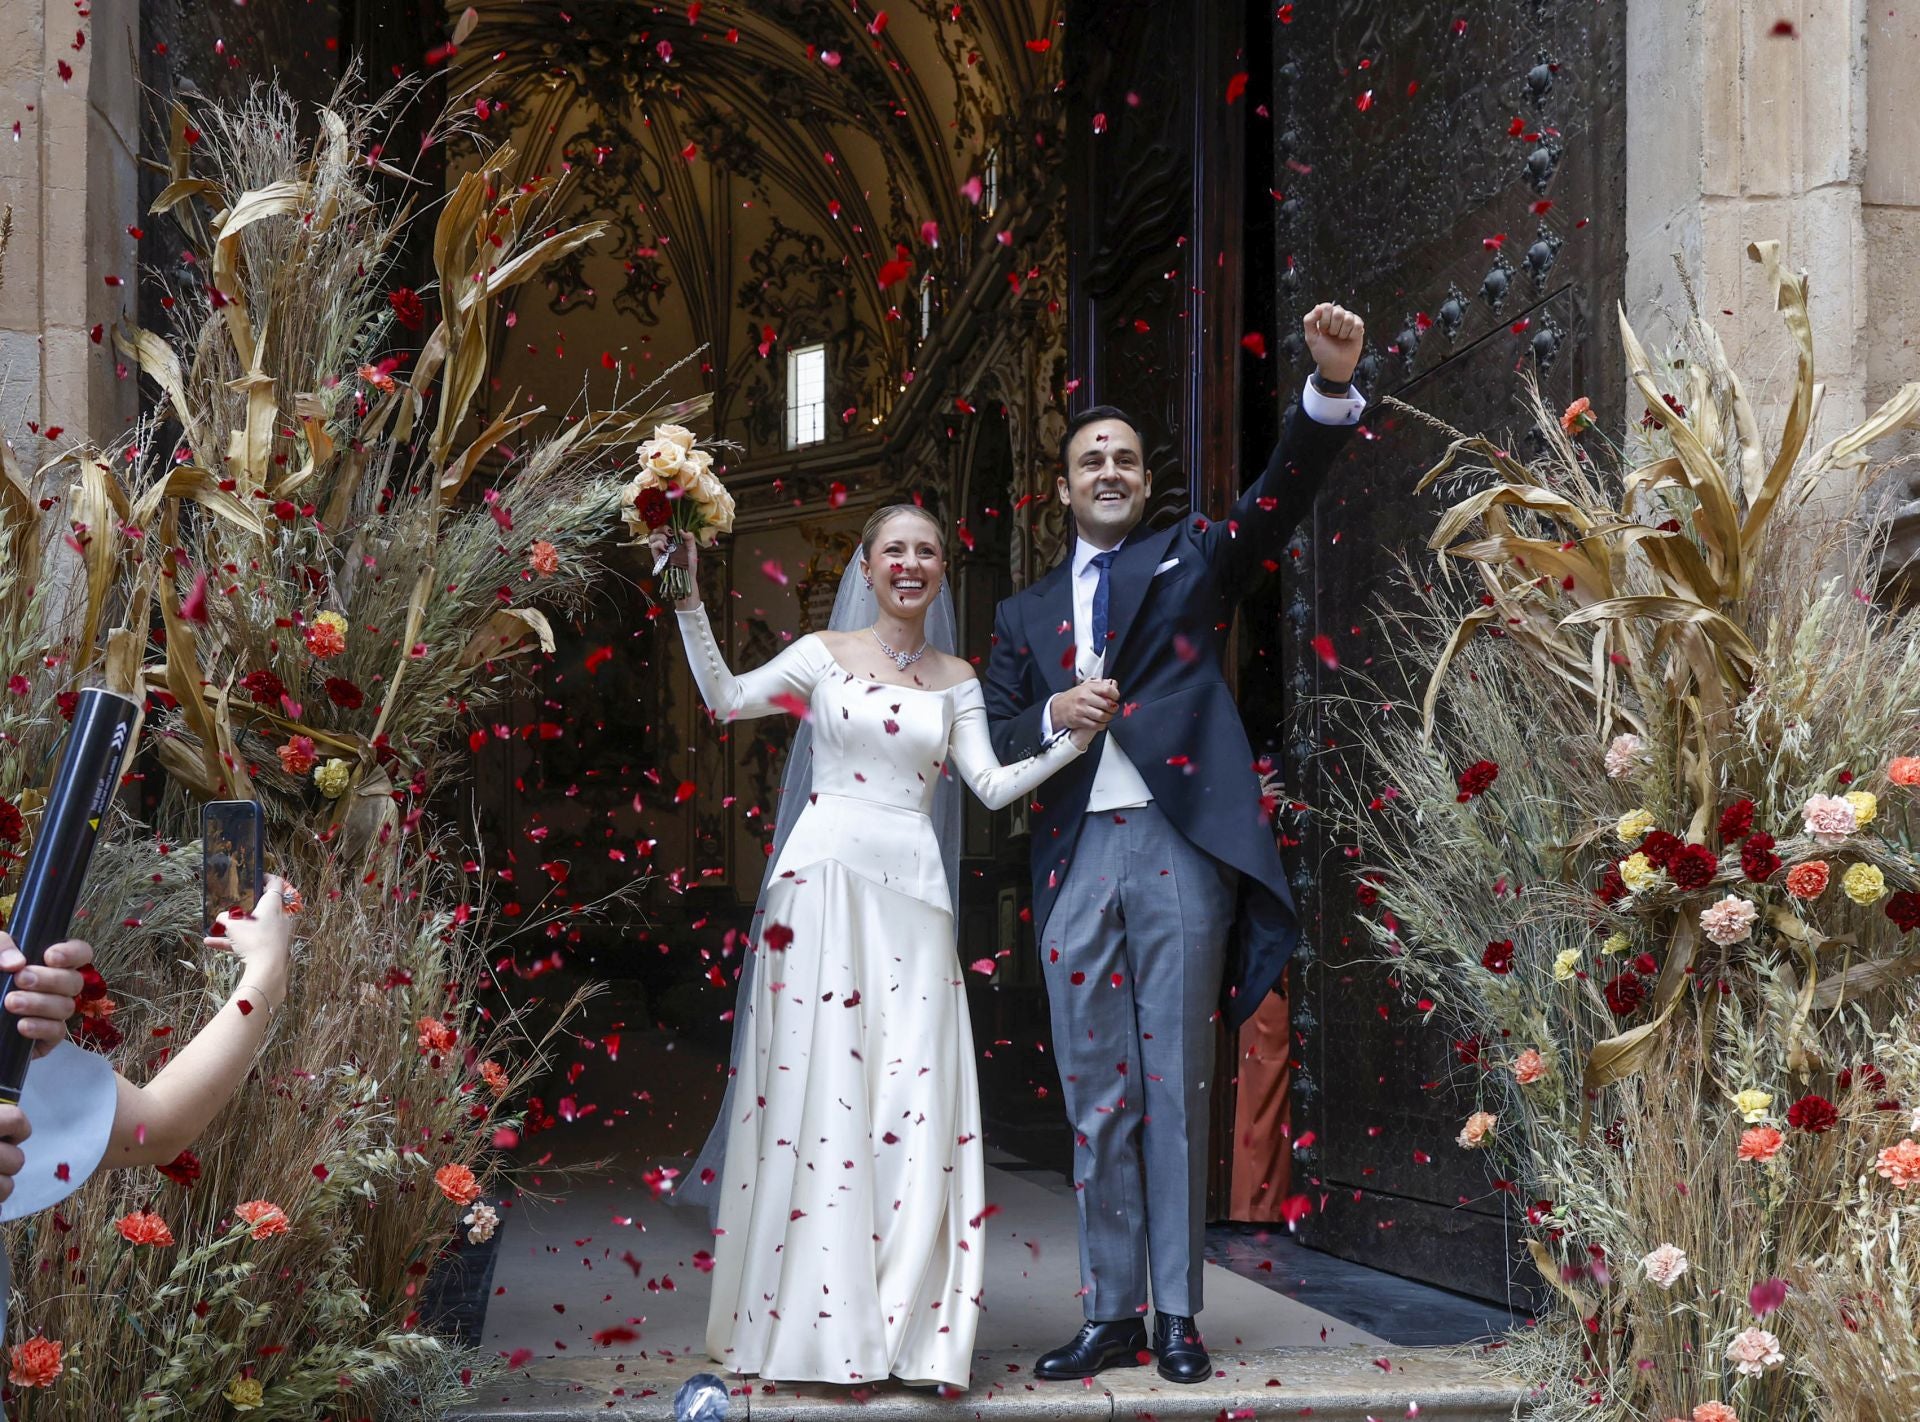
pixel 849 1243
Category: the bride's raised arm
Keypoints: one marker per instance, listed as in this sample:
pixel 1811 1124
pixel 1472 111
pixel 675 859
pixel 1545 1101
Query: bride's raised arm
pixel 780 685
pixel 970 753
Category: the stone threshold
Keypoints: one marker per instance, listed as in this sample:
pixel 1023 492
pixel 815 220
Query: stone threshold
pixel 1360 1384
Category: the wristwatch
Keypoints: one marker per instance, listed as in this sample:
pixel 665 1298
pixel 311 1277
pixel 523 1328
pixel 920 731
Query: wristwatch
pixel 1334 388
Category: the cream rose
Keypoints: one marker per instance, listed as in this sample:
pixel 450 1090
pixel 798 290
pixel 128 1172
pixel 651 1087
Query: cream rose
pixel 674 434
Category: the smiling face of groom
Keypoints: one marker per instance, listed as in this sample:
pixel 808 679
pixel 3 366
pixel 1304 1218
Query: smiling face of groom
pixel 1106 480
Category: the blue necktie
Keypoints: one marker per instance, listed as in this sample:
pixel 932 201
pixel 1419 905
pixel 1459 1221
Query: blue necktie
pixel 1102 561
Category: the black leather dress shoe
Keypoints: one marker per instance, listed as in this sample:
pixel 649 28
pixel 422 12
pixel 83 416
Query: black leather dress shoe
pixel 1176 1342
pixel 1097 1347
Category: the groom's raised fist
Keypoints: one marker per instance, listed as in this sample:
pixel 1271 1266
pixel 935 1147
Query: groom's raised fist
pixel 1335 336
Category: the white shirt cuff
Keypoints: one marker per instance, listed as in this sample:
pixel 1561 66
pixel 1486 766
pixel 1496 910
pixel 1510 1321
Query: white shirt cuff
pixel 1327 409
pixel 1046 720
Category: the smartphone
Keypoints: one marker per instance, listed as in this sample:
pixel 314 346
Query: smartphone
pixel 232 875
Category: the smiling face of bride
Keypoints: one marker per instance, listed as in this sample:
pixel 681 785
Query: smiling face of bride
pixel 904 553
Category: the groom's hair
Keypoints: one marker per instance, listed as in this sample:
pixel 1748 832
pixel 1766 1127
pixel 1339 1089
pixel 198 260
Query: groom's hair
pixel 1093 414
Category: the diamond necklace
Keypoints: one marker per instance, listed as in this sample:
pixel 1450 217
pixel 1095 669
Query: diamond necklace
pixel 903 660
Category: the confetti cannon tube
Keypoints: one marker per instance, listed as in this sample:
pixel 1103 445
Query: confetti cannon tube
pixel 96 750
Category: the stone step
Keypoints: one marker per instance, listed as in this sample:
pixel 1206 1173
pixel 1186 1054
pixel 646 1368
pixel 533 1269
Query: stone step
pixel 1325 1384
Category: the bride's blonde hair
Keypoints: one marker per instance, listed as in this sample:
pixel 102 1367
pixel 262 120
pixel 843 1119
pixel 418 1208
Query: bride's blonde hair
pixel 880 516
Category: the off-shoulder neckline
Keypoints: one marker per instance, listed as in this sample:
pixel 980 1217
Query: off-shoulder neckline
pixel 853 675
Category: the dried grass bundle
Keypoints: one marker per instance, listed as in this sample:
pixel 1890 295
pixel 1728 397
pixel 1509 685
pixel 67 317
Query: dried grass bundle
pixel 331 610
pixel 1648 848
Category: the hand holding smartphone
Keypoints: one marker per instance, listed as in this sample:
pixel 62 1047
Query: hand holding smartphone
pixel 232 873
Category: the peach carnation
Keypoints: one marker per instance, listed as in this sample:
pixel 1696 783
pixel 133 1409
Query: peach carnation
pixel 1529 1067
pixel 544 557
pixel 1761 1144
pixel 1904 770
pixel 297 755
pixel 1715 1412
pixel 1479 1126
pixel 1809 880
pixel 1729 921
pixel 456 1182
pixel 1900 1164
pixel 34 1363
pixel 267 1218
pixel 1828 818
pixel 143 1228
pixel 1753 1351
pixel 1623 755
pixel 495 1076
pixel 435 1035
pixel 1665 1265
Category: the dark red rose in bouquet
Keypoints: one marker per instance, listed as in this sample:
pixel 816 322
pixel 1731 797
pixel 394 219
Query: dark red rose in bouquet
pixel 654 507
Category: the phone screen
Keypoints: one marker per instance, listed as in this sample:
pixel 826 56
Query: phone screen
pixel 232 874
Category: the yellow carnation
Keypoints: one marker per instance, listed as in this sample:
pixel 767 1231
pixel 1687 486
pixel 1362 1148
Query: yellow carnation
pixel 245 1394
pixel 1753 1105
pixel 332 778
pixel 1633 824
pixel 1566 964
pixel 1864 883
pixel 1637 871
pixel 1865 806
pixel 1616 943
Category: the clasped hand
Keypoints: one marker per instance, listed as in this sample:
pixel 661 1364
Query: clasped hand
pixel 685 555
pixel 1086 708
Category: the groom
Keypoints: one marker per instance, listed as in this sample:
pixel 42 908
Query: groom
pixel 1151 849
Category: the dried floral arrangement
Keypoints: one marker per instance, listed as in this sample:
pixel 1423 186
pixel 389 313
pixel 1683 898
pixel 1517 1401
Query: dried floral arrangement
pixel 281 561
pixel 1647 849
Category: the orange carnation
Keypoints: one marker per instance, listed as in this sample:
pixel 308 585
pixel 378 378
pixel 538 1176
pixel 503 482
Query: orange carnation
pixel 1761 1143
pixel 435 1035
pixel 544 557
pixel 267 1218
pixel 1905 770
pixel 1809 880
pixel 456 1182
pixel 1578 417
pixel 495 1076
pixel 35 1363
pixel 296 756
pixel 141 1228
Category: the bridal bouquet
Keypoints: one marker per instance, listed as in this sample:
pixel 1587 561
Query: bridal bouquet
pixel 676 489
pixel 1647 848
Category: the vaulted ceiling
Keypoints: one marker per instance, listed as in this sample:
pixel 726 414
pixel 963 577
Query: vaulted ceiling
pixel 772 174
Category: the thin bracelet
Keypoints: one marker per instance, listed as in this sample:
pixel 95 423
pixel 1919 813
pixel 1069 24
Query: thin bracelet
pixel 265 1001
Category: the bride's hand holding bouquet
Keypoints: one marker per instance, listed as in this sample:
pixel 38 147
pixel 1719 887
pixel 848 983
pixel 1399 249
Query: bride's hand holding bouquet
pixel 676 552
pixel 676 493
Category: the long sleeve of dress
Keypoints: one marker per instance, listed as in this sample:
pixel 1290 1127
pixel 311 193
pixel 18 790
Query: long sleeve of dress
pixel 783 684
pixel 970 752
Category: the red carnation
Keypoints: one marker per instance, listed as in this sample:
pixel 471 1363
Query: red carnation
pixel 1612 887
pixel 1813 1114
pixel 1694 867
pixel 1499 957
pixel 11 825
pixel 183 1169
pixel 1645 964
pixel 1659 846
pixel 345 694
pixel 408 309
pixel 1471 1051
pixel 67 701
pixel 654 507
pixel 99 1033
pixel 1367 895
pixel 1757 860
pixel 1736 821
pixel 93 987
pixel 264 687
pixel 1625 994
pixel 1870 1076
pixel 1904 909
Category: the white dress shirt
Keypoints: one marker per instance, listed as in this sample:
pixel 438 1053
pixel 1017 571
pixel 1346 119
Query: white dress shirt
pixel 1116 782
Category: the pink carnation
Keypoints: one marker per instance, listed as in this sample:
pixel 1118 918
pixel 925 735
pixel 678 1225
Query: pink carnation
pixel 1753 1351
pixel 1828 818
pixel 1622 755
pixel 1900 1164
pixel 1729 921
pixel 1529 1067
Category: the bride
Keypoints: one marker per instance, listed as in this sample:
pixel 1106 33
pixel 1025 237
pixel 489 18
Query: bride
pixel 850 1179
